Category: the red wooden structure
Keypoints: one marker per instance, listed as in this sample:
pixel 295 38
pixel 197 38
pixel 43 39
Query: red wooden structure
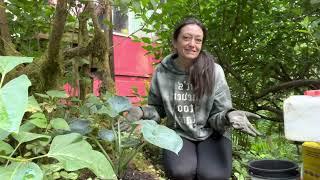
pixel 133 69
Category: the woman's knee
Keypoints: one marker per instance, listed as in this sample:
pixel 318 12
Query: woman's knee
pixel 214 174
pixel 181 173
pixel 217 176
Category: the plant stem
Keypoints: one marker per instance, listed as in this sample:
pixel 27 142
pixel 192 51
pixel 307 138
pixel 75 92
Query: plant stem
pixel 38 157
pixel 9 158
pixel 2 79
pixel 133 154
pixel 116 142
pixel 13 159
pixel 103 151
pixel 119 137
pixel 119 149
pixel 13 153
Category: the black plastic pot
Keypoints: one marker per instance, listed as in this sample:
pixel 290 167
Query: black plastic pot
pixel 274 169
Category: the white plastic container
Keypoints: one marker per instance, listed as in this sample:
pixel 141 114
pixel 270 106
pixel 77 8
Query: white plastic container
pixel 302 118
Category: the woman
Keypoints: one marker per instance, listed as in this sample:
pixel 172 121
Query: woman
pixel 190 89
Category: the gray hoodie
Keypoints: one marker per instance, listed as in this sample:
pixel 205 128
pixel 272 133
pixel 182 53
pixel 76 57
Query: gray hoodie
pixel 171 96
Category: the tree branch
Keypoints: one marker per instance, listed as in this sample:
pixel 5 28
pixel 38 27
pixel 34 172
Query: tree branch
pixel 94 18
pixel 287 85
pixel 76 52
pixel 277 111
pixel 271 118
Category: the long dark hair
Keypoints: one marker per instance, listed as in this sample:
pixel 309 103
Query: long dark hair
pixel 201 73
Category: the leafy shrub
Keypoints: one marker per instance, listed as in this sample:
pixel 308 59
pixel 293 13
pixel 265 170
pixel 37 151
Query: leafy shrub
pixel 55 136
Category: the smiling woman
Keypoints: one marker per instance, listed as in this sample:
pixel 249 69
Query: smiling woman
pixel 190 89
pixel 188 44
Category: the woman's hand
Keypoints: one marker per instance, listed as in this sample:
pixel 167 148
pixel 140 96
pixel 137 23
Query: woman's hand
pixel 134 114
pixel 239 120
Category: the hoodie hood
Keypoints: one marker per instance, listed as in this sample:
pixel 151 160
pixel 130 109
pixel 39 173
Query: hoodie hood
pixel 168 64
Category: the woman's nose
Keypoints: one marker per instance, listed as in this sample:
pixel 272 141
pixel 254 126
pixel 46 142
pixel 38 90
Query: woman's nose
pixel 192 42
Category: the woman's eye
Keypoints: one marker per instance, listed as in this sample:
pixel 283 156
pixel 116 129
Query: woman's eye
pixel 199 40
pixel 187 38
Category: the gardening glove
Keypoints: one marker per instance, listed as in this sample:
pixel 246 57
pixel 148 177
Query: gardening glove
pixel 134 114
pixel 239 120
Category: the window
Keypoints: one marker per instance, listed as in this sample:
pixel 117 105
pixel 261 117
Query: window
pixel 120 20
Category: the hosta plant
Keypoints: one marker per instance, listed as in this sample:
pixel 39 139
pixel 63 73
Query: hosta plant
pixel 107 132
pixel 35 148
pixel 62 134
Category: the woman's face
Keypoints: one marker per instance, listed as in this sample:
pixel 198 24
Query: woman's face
pixel 189 42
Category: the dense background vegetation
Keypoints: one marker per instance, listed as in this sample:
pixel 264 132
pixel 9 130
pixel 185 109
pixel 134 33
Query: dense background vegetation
pixel 268 49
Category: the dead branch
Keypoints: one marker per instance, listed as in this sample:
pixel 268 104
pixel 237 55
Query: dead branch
pixel 287 85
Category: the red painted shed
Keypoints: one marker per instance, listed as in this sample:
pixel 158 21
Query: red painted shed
pixel 133 68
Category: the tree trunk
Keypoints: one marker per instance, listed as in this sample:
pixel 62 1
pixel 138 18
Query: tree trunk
pixel 101 43
pixel 6 45
pixel 81 72
pixel 109 31
pixel 52 67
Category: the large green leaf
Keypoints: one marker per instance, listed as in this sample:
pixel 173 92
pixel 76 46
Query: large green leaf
pixel 5 148
pixel 39 120
pixel 75 153
pixel 21 171
pixel 59 123
pixel 7 63
pixel 160 135
pixel 27 136
pixel 108 111
pixel 27 127
pixel 51 168
pixel 106 134
pixel 3 134
pixel 81 126
pixel 33 105
pixel 13 103
pixel 119 104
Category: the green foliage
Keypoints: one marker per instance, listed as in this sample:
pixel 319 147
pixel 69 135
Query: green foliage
pixel 161 136
pixel 27 20
pixel 21 170
pixel 269 50
pixel 55 171
pixel 124 145
pixel 22 137
pixel 16 91
pixel 11 113
pixel 5 148
pixel 91 118
pixel 59 124
pixel 7 63
pixel 57 94
pixel 260 44
pixel 119 104
pixel 70 149
pixel 39 120
pixel 75 153
pixel 33 105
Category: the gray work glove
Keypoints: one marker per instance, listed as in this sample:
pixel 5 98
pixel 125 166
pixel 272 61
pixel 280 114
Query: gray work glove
pixel 134 114
pixel 239 120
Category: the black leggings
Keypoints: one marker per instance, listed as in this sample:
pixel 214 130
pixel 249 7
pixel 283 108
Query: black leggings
pixel 210 159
